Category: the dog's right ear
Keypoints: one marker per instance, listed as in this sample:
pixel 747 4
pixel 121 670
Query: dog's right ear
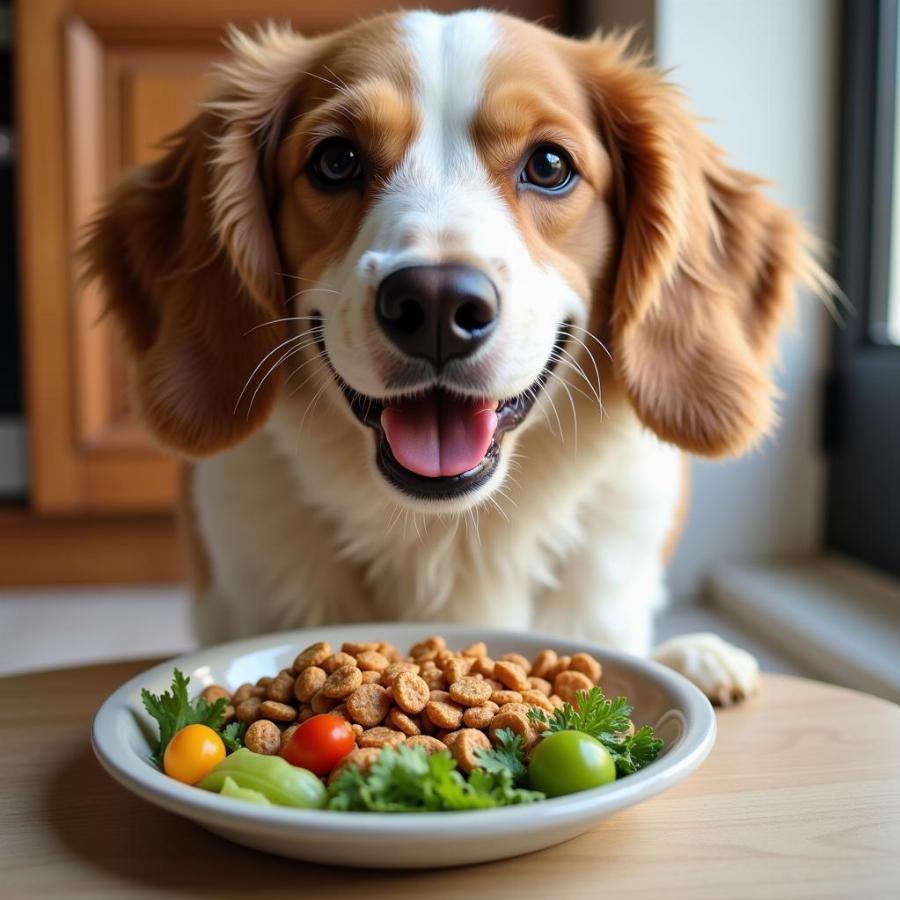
pixel 188 261
pixel 707 265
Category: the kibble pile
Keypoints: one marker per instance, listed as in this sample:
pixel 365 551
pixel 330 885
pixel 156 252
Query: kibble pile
pixel 435 698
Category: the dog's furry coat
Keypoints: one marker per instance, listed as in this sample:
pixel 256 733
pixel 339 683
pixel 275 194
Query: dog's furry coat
pixel 674 261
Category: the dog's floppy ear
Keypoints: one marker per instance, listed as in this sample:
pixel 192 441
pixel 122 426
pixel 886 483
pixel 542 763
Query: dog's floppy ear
pixel 706 266
pixel 187 258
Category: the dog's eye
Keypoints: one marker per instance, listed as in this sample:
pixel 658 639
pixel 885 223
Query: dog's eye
pixel 335 163
pixel 548 168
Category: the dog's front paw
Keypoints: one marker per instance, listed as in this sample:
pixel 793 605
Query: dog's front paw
pixel 725 673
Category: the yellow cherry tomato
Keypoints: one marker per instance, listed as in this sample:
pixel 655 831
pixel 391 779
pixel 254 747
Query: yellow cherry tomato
pixel 193 753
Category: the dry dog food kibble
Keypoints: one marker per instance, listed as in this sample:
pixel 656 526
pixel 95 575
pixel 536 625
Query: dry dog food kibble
pixel 369 704
pixel 342 682
pixel 434 698
pixel 309 682
pixel 402 722
pixel 470 691
pixel 380 737
pixel 410 692
pixel 277 712
pixel 464 745
pixel 480 716
pixel 567 684
pixel 263 736
pixel 443 714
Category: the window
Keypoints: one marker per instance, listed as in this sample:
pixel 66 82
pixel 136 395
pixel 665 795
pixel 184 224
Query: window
pixel 863 400
pixel 885 322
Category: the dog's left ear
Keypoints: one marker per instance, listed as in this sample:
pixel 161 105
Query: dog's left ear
pixel 188 261
pixel 706 266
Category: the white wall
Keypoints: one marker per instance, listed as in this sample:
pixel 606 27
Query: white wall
pixel 765 72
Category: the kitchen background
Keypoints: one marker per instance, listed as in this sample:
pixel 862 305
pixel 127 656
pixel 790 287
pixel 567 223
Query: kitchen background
pixel 774 554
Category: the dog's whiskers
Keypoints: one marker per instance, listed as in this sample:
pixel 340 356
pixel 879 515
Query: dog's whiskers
pixel 589 355
pixel 565 387
pixel 306 339
pixel 310 407
pixel 340 88
pixel 580 370
pixel 288 319
pixel 405 523
pixel 319 356
pixel 285 356
pixel 259 365
pixel 555 413
pixel 492 500
pixel 472 516
pixel 591 398
pixel 336 77
pixel 293 338
pixel 398 512
pixel 302 278
pixel 312 290
pixel 591 335
pixel 309 377
pixel 532 395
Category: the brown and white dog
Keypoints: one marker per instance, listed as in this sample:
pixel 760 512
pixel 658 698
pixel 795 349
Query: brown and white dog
pixel 379 288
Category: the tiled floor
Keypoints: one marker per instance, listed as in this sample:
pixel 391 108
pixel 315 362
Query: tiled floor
pixel 49 629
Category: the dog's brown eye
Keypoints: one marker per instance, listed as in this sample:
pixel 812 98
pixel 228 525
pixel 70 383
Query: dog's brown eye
pixel 548 168
pixel 334 163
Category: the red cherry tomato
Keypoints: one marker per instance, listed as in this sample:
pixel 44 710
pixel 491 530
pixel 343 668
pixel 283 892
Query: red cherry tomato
pixel 320 743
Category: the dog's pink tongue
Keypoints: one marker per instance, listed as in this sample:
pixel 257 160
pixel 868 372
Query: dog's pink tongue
pixel 438 434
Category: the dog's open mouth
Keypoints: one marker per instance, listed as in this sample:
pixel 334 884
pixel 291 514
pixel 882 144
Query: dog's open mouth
pixel 438 445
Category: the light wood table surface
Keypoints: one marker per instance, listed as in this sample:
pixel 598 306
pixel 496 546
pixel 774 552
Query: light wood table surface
pixel 799 798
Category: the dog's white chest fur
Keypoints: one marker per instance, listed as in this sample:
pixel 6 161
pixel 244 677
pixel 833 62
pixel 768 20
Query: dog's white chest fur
pixel 297 536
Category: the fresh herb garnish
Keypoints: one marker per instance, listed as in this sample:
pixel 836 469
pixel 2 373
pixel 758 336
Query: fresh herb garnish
pixel 233 736
pixel 607 721
pixel 407 779
pixel 174 710
pixel 594 714
pixel 509 756
pixel 635 751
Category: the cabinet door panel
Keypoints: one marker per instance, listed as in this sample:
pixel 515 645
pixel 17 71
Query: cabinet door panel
pixel 141 89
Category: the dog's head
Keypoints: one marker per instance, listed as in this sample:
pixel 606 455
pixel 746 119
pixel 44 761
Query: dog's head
pixel 436 221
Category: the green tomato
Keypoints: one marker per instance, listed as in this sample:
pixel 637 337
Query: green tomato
pixel 568 761
pixel 273 777
pixel 230 788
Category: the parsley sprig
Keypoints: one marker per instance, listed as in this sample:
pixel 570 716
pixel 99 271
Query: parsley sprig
pixel 407 779
pixel 173 710
pixel 233 736
pixel 607 721
pixel 508 756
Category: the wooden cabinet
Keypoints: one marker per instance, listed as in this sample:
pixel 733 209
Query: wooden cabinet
pixel 98 84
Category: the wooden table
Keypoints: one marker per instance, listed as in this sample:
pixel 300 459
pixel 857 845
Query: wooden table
pixel 799 798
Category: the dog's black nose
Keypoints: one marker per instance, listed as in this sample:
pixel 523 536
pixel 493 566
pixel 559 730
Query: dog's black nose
pixel 437 312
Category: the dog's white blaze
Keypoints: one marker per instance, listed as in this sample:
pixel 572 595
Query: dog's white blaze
pixel 440 198
pixel 451 56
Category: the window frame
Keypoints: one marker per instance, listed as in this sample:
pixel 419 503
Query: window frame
pixel 862 415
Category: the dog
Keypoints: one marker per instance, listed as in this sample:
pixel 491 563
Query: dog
pixel 437 305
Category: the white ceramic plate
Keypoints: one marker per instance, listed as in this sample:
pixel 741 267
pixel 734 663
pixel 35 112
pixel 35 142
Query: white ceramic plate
pixel 123 734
